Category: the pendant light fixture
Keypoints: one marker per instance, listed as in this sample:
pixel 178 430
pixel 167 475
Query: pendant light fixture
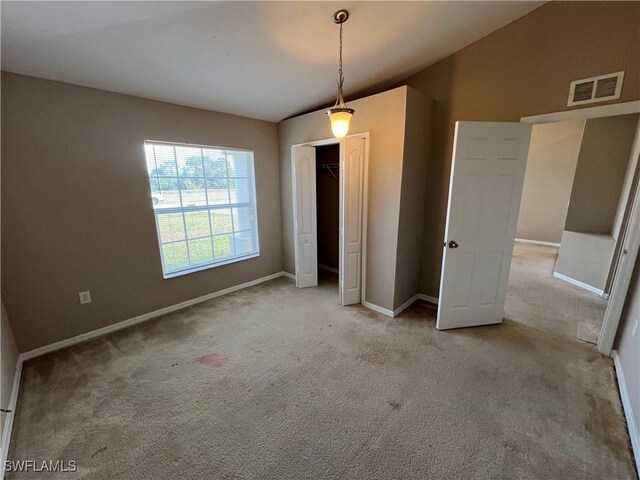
pixel 340 114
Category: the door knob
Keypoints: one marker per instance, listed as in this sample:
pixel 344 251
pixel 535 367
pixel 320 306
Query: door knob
pixel 453 244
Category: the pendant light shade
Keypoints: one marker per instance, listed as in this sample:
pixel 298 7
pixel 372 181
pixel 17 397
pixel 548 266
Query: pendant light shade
pixel 340 114
pixel 340 118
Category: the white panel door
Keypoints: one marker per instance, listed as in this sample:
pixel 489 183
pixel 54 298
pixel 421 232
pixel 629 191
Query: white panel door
pixel 352 185
pixel 487 174
pixel 304 225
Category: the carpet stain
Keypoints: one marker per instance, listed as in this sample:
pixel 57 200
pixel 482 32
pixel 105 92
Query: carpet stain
pixel 432 341
pixel 212 359
pixel 295 356
pixel 379 353
pixel 100 450
pixel 602 423
pixel 395 405
pixel 376 353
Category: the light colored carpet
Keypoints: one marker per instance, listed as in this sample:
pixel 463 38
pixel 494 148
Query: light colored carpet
pixel 278 383
pixel 537 299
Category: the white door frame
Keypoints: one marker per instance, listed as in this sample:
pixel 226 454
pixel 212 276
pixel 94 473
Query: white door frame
pixel 631 243
pixel 365 197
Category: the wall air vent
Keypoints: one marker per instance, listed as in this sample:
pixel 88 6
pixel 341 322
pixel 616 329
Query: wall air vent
pixel 595 89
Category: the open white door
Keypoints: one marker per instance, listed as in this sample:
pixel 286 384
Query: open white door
pixel 352 163
pixel 304 222
pixel 487 174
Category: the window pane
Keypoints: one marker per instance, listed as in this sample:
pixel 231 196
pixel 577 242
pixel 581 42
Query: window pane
pixel 200 250
pixel 221 221
pixel 157 198
pixel 192 192
pixel 155 184
pixel 170 226
pixel 239 190
pixel 151 160
pixel 197 224
pixel 165 161
pixel 204 202
pixel 238 163
pixel 169 194
pixel 223 246
pixel 218 191
pixel 214 163
pixel 189 162
pixel 175 256
pixel 244 243
pixel 241 218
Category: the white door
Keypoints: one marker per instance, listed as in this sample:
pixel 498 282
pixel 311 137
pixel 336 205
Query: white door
pixel 487 174
pixel 304 224
pixel 352 158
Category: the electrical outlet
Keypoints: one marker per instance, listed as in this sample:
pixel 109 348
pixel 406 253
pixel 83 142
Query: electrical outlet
pixel 635 329
pixel 85 297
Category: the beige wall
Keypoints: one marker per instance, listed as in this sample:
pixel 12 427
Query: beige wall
pixel 382 115
pixel 413 196
pixel 600 173
pixel 628 345
pixel 9 354
pixel 76 210
pixel 522 69
pixel 586 257
pixel 551 165
pixel 327 212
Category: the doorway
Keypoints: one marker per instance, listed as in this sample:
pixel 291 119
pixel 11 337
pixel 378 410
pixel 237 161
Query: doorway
pixel 575 195
pixel 484 202
pixel 328 209
pixel 314 167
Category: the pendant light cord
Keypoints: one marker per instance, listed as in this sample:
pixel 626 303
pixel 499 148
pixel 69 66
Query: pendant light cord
pixel 340 71
pixel 340 99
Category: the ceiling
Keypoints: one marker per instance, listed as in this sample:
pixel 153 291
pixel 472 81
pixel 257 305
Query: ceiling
pixel 265 60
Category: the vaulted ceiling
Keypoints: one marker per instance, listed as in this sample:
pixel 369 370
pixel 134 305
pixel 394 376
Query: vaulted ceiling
pixel 265 60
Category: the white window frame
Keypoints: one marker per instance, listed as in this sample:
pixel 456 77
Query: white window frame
pixel 252 204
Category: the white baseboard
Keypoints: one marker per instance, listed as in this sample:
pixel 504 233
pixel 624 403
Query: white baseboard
pixel 578 283
pixel 628 412
pixel 405 305
pixel 328 269
pixel 8 420
pixel 401 308
pixel 428 298
pixel 289 275
pixel 538 242
pixel 141 318
pixel 377 308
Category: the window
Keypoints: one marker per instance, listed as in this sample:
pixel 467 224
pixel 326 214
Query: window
pixel 205 205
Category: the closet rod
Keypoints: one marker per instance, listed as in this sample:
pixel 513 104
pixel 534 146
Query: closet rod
pixel 329 168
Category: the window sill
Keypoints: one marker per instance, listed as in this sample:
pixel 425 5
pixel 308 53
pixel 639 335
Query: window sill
pixel 208 266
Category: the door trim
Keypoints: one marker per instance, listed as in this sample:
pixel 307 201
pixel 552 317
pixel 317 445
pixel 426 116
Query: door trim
pixel 611 110
pixel 619 290
pixel 365 212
